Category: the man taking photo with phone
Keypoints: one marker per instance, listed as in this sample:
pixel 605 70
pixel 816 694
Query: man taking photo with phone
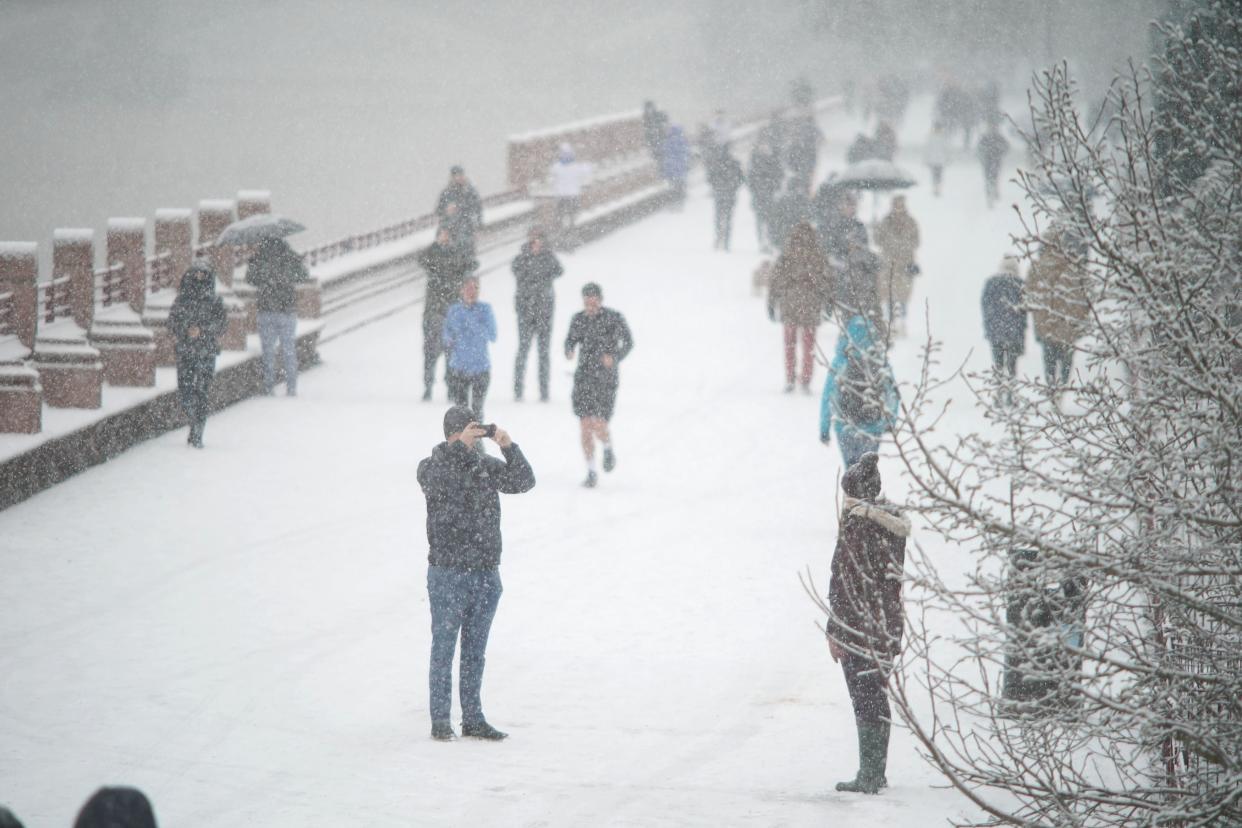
pixel 463 488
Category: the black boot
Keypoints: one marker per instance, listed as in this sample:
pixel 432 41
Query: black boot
pixel 483 730
pixel 196 433
pixel 872 755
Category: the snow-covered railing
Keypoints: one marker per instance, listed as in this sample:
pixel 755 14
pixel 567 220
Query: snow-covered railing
pixel 598 141
pixel 159 272
pixel 8 317
pixel 54 300
pixel 110 284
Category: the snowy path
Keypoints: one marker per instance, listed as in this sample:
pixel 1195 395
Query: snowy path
pixel 243 632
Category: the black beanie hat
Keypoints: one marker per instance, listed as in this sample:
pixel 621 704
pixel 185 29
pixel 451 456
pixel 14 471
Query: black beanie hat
pixel 456 419
pixel 862 480
pixel 592 289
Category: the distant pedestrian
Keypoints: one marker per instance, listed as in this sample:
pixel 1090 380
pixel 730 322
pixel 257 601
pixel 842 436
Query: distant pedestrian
pixel 801 288
pixel 992 150
pixel 1004 317
pixel 445 266
pixel 857 282
pixel 802 149
pixel 790 210
pixel 461 192
pixel 462 486
pixel 468 328
pixel 534 269
pixel 897 236
pixel 1056 292
pixel 860 399
pixel 866 617
pixel 655 123
pixel 936 155
pixel 116 807
pixel 197 321
pixel 675 164
pixel 884 144
pixel 764 178
pixel 842 230
pixel 275 271
pixel 726 179
pixel 569 178
pixel 602 339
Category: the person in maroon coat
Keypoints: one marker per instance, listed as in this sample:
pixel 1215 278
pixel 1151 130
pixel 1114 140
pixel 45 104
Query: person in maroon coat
pixel 866 618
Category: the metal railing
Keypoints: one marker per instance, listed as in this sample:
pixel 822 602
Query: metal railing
pixel 159 272
pixel 54 302
pixel 110 285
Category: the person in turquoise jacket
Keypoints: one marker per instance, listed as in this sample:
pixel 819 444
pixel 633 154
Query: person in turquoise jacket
pixel 860 396
pixel 468 327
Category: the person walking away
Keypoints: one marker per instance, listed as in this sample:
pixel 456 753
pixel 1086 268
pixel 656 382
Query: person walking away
pixel 936 155
pixel 801 288
pixel 534 269
pixel 1056 293
pixel 802 149
pixel 196 321
pixel 860 399
pixel 842 230
pixel 866 617
pixel 897 236
pixel 765 178
pixel 468 327
pixel 655 123
pixel 569 177
pixel 1004 317
pixel 461 192
pixel 884 144
pixel 725 180
pixel 602 339
pixel 462 486
pixel 445 266
pixel 275 271
pixel 991 152
pixel 858 282
pixel 791 209
pixel 675 165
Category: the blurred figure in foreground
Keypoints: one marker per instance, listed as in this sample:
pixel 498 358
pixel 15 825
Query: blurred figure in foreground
pixel 534 269
pixel 197 321
pixel 116 808
pixel 866 617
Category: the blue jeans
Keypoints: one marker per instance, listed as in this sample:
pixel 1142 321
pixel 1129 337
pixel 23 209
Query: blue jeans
pixel 855 443
pixel 465 602
pixel 282 327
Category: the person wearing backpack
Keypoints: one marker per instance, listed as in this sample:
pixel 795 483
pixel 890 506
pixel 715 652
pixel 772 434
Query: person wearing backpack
pixel 860 396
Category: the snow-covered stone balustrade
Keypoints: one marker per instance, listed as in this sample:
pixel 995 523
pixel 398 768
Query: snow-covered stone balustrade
pixel 21 394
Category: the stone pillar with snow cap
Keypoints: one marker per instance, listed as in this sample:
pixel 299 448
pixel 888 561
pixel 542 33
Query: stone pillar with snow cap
pixel 69 367
pixel 213 216
pixel 249 203
pixel 21 393
pixel 174 231
pixel 126 346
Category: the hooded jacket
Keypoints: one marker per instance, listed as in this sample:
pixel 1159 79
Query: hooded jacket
pixel 463 491
pixel 857 342
pixel 1004 317
pixel 197 306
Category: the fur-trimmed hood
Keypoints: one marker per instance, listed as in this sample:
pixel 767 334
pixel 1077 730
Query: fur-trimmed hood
pixel 886 516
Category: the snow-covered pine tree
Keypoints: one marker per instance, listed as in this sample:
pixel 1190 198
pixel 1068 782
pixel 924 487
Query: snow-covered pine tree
pixel 1089 670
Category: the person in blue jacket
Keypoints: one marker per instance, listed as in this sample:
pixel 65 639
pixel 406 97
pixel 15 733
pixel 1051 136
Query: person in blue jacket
pixel 860 395
pixel 468 327
pixel 675 164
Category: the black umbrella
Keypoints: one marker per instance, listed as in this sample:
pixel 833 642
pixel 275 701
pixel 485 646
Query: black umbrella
pixel 257 228
pixel 874 174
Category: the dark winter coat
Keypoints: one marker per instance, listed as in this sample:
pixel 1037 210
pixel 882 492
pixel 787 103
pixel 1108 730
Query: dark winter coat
pixel 802 147
pixel 765 177
pixel 197 306
pixel 446 266
pixel 466 197
pixel 655 123
pixel 789 211
pixel 864 595
pixel 534 273
pixel 840 231
pixel 604 333
pixel 1004 317
pixel 858 282
pixel 274 270
pixel 992 150
pixel 801 280
pixel 725 177
pixel 463 490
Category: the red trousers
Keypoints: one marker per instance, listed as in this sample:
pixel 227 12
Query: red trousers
pixel 808 352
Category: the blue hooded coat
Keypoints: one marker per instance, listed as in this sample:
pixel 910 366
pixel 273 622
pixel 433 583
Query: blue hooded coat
pixel 858 339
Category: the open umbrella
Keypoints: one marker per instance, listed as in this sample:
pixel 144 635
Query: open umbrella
pixel 874 174
pixel 258 228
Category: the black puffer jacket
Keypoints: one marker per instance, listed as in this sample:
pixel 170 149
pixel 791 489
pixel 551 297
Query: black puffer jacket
pixel 197 306
pixel 463 502
pixel 446 266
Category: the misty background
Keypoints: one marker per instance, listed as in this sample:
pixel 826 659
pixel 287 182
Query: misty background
pixel 352 112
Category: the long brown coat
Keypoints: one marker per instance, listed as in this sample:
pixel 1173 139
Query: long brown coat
pixel 802 283
pixel 1056 293
pixel 897 236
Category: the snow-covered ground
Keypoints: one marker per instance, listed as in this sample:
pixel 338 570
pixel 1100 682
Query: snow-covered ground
pixel 243 632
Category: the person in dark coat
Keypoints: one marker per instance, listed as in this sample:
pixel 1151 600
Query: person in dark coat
pixel 992 150
pixel 765 178
pixel 1004 317
pixel 462 193
pixel 534 269
pixel 725 178
pixel 790 210
pixel 463 487
pixel 116 807
pixel 655 123
pixel 275 271
pixel 842 230
pixel 802 149
pixel 884 144
pixel 197 321
pixel 445 266
pixel 866 617
pixel 801 288
pixel 602 339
